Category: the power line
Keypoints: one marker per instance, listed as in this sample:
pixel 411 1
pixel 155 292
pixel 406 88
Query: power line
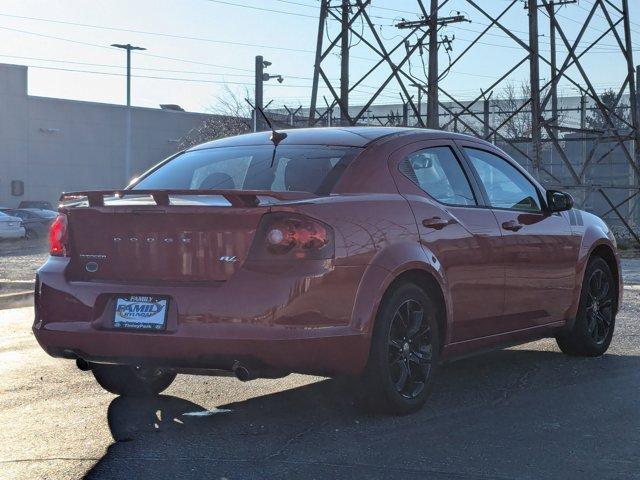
pixel 195 80
pixel 186 60
pixel 271 10
pixel 63 39
pixel 158 34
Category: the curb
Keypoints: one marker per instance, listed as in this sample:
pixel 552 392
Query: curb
pixel 17 299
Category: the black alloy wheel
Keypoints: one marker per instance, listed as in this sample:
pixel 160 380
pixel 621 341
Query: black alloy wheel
pixel 591 333
pixel 410 349
pixel 600 307
pixel 405 348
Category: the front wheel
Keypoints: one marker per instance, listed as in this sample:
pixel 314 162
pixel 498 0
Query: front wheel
pixel 592 331
pixel 404 352
pixel 132 381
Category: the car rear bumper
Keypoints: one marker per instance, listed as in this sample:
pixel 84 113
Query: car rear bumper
pixel 322 355
pixel 273 323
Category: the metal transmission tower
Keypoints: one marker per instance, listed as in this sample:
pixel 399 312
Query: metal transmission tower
pixel 571 71
pixel 393 59
pixel 565 56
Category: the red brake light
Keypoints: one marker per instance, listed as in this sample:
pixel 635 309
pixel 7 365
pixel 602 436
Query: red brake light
pixel 291 235
pixel 58 236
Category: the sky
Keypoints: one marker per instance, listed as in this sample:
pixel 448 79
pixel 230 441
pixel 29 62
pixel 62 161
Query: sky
pixel 197 47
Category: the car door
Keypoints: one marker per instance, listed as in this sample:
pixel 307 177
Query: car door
pixel 539 252
pixel 458 235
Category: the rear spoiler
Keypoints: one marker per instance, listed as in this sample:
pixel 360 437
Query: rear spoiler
pixel 237 198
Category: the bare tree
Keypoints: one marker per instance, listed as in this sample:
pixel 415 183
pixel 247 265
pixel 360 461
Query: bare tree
pixel 516 125
pixel 231 115
pixel 232 103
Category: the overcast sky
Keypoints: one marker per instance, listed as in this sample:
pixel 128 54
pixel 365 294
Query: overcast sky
pixel 71 39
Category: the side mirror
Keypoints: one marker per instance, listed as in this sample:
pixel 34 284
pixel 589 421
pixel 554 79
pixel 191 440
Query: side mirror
pixel 559 201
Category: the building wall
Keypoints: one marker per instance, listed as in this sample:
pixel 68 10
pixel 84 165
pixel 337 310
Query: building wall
pixel 55 145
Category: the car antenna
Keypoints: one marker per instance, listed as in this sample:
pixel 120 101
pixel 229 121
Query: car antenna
pixel 276 137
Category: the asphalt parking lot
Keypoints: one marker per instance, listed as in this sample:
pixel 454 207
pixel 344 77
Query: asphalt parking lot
pixel 527 412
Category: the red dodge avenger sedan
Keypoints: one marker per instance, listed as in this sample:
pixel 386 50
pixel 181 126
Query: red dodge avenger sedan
pixel 373 252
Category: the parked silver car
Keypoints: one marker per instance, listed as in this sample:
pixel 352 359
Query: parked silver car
pixel 11 227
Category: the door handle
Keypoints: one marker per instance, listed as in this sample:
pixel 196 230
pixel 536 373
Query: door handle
pixel 512 225
pixel 437 223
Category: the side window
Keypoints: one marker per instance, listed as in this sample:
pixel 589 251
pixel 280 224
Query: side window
pixel 437 171
pixel 504 184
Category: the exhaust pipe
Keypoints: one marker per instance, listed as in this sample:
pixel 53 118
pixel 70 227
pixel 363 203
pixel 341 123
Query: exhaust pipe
pixel 83 365
pixel 242 373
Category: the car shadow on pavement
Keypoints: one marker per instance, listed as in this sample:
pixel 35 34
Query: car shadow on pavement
pixel 508 414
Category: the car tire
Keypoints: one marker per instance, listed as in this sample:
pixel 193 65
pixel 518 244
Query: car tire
pixel 132 381
pixel 31 234
pixel 404 353
pixel 591 333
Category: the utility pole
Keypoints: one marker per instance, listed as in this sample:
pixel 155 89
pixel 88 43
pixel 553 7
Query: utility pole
pixel 127 149
pixel 432 77
pixel 259 94
pixel 344 64
pixel 534 70
pixel 432 22
pixel 260 78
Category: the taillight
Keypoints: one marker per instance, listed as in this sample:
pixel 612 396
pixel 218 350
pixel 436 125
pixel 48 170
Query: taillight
pixel 58 236
pixel 291 235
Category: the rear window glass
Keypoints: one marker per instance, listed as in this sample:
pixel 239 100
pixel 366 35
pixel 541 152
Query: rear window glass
pixel 313 169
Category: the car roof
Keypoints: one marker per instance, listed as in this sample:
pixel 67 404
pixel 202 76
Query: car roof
pixel 340 136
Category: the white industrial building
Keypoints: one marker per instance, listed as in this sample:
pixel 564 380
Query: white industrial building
pixel 50 145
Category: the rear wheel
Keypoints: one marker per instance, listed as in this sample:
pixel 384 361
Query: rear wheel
pixel 404 352
pixel 592 331
pixel 132 381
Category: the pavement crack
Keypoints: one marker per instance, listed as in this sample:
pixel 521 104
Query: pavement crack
pixel 289 441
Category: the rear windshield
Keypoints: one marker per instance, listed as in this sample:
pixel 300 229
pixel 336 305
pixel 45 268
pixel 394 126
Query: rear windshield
pixel 314 168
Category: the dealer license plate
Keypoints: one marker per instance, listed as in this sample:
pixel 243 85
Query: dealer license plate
pixel 141 312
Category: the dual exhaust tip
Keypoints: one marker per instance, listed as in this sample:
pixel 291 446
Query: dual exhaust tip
pixel 83 365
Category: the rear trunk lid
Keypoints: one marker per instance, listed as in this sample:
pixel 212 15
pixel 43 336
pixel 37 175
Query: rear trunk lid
pixel 159 237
